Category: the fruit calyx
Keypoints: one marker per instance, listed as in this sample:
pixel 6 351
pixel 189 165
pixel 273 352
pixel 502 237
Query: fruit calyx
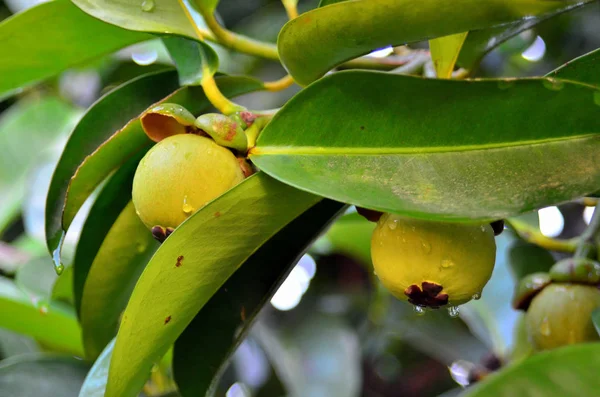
pixel 428 295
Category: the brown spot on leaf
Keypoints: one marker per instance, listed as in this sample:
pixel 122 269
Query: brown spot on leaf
pixel 362 127
pixel 179 261
pixel 428 296
pixel 217 214
pixel 167 320
pixel 231 132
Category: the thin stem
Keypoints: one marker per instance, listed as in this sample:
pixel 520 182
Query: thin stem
pixel 238 42
pixel 534 236
pixel 587 240
pixel 281 84
pixel 291 8
pixel 217 99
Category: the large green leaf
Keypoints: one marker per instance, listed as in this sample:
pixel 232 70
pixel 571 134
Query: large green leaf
pixel 190 267
pixel 121 259
pixel 41 375
pixel 583 69
pixel 107 207
pixel 158 16
pixel 51 37
pixel 201 353
pixel 54 323
pixel 495 148
pixel 318 40
pixel 566 372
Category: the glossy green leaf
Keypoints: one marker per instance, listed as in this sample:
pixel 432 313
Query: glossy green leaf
pixel 194 60
pixel 119 263
pixel 63 288
pixel 112 199
pixel 39 49
pixel 41 375
pixel 190 266
pixel 490 158
pixel 201 353
pixel 566 372
pixel 95 381
pixel 109 114
pixel 318 40
pixel 54 323
pixel 157 16
pixel 583 69
pixel 444 53
pixel 596 320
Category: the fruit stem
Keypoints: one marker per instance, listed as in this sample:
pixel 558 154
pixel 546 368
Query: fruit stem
pixel 281 84
pixel 590 237
pixel 291 8
pixel 255 129
pixel 534 236
pixel 216 97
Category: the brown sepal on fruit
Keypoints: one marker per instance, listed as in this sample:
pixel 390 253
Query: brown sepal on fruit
pixel 428 296
pixel 497 227
pixel 160 233
pixel 370 215
pixel 246 168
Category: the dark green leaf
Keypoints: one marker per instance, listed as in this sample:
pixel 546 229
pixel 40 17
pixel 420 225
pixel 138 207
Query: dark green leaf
pixel 52 37
pixel 191 266
pixel 109 114
pixel 119 263
pixel 107 207
pixel 583 69
pixel 566 372
pixel 318 40
pixel 41 375
pixel 54 323
pixel 158 16
pixel 499 155
pixel 198 361
pixel 194 60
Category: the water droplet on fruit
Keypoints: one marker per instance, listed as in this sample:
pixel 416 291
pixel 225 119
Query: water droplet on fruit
pixel 187 208
pixel 144 58
pixel 545 327
pixel 393 224
pixel 419 310
pixel 425 246
pixel 447 263
pixel 476 296
pixel 483 228
pixel 453 311
pixel 148 5
pixel 554 85
pixel 374 272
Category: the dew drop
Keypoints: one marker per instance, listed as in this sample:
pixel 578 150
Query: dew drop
pixel 453 311
pixel 419 310
pixel 483 228
pixel 597 98
pixel 148 5
pixel 393 224
pixel 425 246
pixel 545 327
pixel 554 85
pixel 58 266
pixel 43 309
pixel 476 296
pixel 144 58
pixel 187 208
pixel 447 263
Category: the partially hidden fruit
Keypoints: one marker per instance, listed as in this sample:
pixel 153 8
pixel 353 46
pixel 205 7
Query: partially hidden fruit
pixel 179 175
pixel 561 315
pixel 432 264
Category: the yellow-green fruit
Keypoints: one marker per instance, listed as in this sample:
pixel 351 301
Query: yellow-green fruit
pixel 431 264
pixel 179 175
pixel 561 315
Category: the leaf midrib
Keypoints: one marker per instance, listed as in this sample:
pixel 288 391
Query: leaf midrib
pixel 318 150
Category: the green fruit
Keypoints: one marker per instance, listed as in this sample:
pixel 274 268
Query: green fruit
pixel 432 264
pixel 576 270
pixel 561 315
pixel 179 175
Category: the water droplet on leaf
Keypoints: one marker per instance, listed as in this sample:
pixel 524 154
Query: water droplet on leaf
pixel 453 311
pixel 44 309
pixel 554 85
pixel 419 310
pixel 58 266
pixel 144 58
pixel 148 5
